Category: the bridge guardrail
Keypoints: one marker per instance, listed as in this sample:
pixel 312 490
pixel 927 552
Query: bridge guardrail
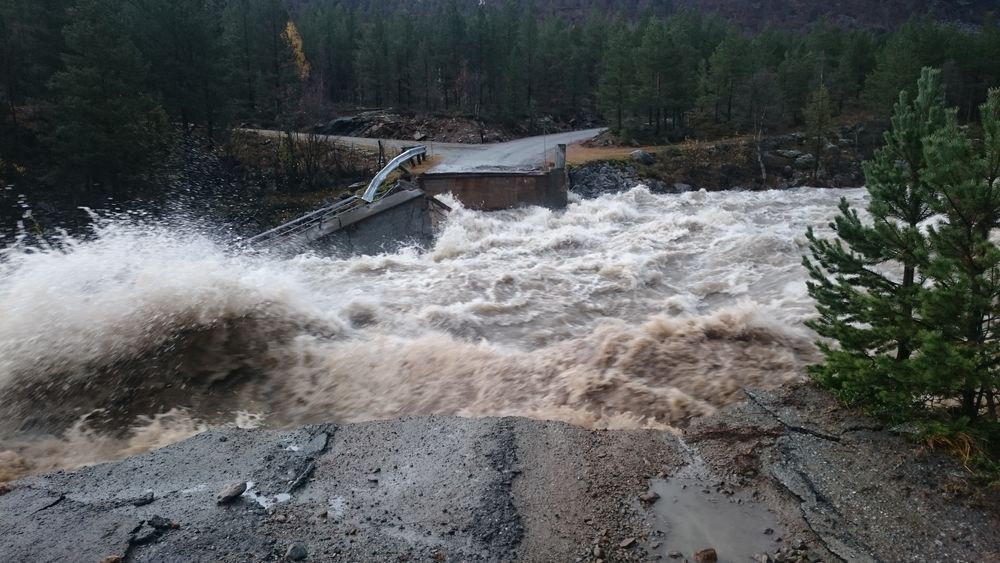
pixel 373 186
pixel 319 217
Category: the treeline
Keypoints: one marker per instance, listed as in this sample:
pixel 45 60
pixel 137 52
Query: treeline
pixel 102 84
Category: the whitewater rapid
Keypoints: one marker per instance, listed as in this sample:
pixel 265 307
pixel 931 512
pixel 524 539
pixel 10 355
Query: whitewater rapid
pixel 631 310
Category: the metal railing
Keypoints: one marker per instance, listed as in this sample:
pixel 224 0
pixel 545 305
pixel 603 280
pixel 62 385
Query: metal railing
pixel 327 215
pixel 395 163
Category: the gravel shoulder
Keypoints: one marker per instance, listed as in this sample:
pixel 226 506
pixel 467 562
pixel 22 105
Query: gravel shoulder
pixel 838 486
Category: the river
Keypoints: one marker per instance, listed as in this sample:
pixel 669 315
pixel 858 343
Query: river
pixel 631 310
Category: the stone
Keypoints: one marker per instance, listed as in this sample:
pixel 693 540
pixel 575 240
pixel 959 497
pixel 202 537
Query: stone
pixel 642 157
pixel 675 555
pixel 789 154
pixel 296 552
pixel 598 552
pixel 805 161
pixel 145 534
pixel 682 188
pixel 418 136
pixel 774 161
pixel 160 523
pixel 649 497
pixel 143 500
pixel 112 559
pixel 627 542
pixel 707 555
pixel 231 492
pixel 768 531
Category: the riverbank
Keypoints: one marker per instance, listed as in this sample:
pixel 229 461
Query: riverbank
pixel 783 161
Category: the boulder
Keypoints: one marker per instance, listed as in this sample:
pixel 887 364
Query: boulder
pixel 789 154
pixel 805 161
pixel 642 157
pixel 775 161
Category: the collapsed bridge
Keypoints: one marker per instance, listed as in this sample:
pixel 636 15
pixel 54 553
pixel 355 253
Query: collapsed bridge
pixel 389 215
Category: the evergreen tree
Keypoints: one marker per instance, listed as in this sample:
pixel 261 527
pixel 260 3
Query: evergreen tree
pixel 104 126
pixel 866 281
pixel 961 344
pixel 617 75
pixel 819 123
pixel 182 42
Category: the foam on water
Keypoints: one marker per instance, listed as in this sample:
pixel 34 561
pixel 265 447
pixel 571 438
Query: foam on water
pixel 630 310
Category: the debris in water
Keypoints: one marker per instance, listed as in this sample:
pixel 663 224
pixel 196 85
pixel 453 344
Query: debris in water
pixel 692 517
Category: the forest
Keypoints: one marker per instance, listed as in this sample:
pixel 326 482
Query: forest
pixel 94 91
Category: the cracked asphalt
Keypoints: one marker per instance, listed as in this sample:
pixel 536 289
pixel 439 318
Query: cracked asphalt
pixel 509 489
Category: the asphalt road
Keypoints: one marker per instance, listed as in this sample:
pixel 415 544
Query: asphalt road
pixel 523 154
pixel 789 473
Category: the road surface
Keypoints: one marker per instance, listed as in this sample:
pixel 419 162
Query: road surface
pixel 523 154
pixel 788 473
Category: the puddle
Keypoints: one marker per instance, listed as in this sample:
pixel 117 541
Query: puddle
pixel 265 501
pixel 696 511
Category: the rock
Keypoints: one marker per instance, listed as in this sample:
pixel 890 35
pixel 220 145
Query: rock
pixel 144 534
pixel 706 556
pixel 675 555
pixel 649 497
pixel 418 136
pixel 160 523
pixel 774 161
pixel 642 157
pixel 805 161
pixel 627 543
pixel 4 489
pixel 112 559
pixel 143 500
pixel 296 552
pixel 768 531
pixel 598 552
pixel 789 154
pixel 762 558
pixel 231 492
pixel 906 429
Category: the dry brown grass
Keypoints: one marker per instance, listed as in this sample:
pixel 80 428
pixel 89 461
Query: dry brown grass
pixel 579 154
pixel 961 445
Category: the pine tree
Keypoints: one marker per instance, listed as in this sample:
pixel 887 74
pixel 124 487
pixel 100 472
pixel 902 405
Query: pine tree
pixel 818 114
pixel 961 346
pixel 182 40
pixel 617 76
pixel 104 126
pixel 866 281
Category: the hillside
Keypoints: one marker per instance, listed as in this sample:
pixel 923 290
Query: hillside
pixel 748 14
